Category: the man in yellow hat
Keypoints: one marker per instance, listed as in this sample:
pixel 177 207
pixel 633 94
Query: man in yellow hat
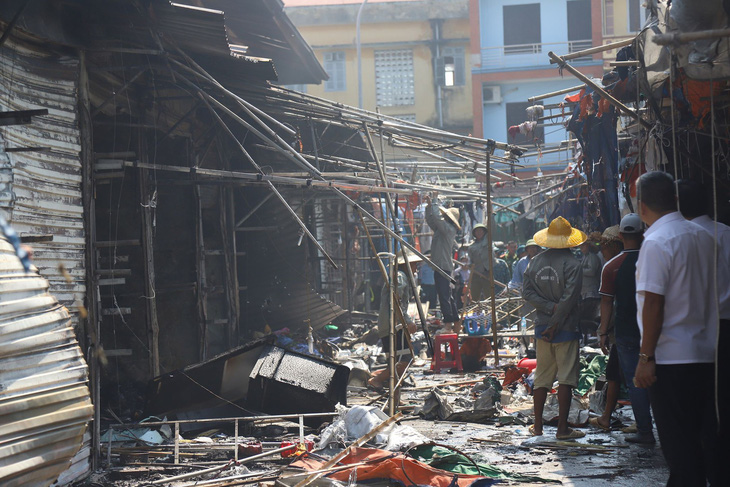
pixel 552 284
pixel 445 225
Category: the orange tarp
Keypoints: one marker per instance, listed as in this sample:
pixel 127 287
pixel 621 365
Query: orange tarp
pixel 384 465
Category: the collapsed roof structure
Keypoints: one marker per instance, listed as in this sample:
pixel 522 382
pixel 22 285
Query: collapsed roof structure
pixel 182 197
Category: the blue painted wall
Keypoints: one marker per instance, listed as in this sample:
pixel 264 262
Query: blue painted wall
pixel 554 32
pixel 494 115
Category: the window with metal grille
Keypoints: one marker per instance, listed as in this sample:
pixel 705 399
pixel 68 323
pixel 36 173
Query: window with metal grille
pixel 580 32
pixel 407 117
pixel 394 84
pixel 334 64
pixel 451 67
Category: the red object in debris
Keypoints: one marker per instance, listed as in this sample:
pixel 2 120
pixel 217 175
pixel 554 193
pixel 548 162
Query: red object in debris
pixel 295 449
pixel 528 363
pixel 446 353
pixel 513 374
pixel 250 448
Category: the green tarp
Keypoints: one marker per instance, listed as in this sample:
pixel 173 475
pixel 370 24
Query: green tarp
pixel 446 459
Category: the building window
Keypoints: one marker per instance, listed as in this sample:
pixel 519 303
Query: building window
pixel 580 33
pixel 406 117
pixel 522 29
pixel 394 84
pixel 451 67
pixel 515 116
pixel 334 64
pixel 608 17
pixel 637 15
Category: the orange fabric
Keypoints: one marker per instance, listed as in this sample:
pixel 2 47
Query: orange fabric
pixel 586 107
pixel 388 465
pixel 575 98
pixel 631 175
pixel 513 374
pixel 698 96
pixel 477 347
pixel 603 106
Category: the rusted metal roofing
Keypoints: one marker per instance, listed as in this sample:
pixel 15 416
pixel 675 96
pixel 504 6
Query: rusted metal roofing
pixel 45 405
pixel 41 190
pixel 202 31
pixel 265 29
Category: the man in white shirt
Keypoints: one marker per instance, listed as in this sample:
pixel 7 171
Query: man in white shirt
pixel 694 206
pixel 678 323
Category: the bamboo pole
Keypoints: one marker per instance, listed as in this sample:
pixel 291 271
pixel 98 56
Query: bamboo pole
pixel 604 94
pixel 594 50
pixel 685 37
pixel 394 214
pixel 564 91
pixel 384 275
pixel 258 178
pixel 490 224
pixel 393 294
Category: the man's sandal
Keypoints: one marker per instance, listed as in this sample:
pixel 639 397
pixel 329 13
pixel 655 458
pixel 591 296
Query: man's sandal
pixel 531 429
pixel 572 434
pixel 595 422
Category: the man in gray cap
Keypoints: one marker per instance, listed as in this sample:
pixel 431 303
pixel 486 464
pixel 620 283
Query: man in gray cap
pixel 618 282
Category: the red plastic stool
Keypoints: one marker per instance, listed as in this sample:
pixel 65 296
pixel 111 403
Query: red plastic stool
pixel 446 346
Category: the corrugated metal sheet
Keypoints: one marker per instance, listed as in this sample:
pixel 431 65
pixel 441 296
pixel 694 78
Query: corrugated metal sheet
pixel 202 33
pixel 201 29
pixel 44 399
pixel 265 29
pixel 281 286
pixel 40 192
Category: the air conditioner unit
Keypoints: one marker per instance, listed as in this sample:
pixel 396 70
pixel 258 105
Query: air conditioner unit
pixel 491 94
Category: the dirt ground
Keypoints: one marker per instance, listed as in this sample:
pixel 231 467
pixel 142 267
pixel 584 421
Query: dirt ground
pixel 512 448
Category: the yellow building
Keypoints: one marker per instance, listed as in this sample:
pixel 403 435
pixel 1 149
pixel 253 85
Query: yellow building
pixel 413 56
pixel 622 19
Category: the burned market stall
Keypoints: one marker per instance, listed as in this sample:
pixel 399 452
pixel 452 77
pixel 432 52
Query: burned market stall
pixel 183 205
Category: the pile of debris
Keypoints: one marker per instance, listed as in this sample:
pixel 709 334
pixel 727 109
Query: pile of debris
pixel 453 428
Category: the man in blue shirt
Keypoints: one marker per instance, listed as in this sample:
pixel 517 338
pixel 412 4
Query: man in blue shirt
pixel 428 284
pixel 532 250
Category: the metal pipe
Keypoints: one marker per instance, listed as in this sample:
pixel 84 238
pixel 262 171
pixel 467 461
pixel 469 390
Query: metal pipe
pixel 254 209
pixel 409 272
pixel 490 224
pixel 684 37
pixel 358 47
pixel 243 103
pixel 604 94
pixel 218 420
pixel 594 50
pixel 394 235
pixel 564 91
pixel 270 184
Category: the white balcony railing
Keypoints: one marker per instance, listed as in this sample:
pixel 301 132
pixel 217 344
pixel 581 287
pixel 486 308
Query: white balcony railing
pixel 526 55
